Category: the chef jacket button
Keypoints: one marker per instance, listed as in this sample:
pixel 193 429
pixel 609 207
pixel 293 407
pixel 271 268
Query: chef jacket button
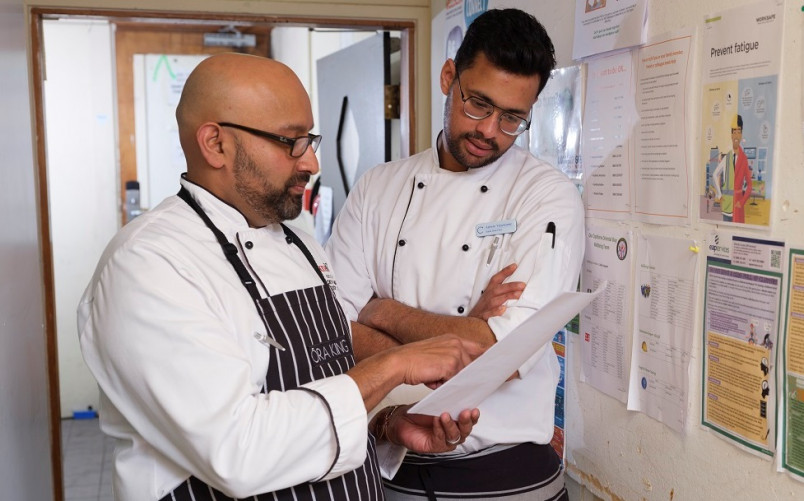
pixel 402 243
pixel 460 309
pixel 420 185
pixel 249 245
pixel 289 240
pixel 484 189
pixel 465 247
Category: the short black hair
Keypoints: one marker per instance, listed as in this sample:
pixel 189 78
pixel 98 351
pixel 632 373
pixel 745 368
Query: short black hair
pixel 512 40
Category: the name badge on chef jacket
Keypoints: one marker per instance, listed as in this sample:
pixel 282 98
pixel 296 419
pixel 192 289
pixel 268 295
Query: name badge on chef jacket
pixel 495 228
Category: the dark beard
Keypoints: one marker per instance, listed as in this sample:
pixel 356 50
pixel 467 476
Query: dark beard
pixel 463 158
pixel 275 205
pixel 453 142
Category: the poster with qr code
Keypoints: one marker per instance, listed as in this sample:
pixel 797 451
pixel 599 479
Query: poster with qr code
pixel 792 400
pixel 742 304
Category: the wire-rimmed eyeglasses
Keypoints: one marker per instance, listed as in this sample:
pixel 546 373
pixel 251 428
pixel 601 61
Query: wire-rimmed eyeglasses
pixel 478 109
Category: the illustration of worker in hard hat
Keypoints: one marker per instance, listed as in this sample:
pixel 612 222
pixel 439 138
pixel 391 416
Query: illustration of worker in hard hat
pixel 732 177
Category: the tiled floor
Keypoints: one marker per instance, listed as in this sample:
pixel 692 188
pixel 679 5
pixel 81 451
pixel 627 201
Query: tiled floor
pixel 87 455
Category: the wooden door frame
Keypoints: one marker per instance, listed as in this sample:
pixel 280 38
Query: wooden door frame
pixel 158 38
pixel 36 16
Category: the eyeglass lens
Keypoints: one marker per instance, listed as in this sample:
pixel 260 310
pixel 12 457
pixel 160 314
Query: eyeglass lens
pixel 300 145
pixel 478 110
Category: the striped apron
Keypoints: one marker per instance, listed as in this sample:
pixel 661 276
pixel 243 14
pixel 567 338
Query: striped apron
pixel 314 331
pixel 524 472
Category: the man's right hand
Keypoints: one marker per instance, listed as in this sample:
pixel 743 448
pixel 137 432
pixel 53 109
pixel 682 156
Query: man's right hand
pixel 431 362
pixel 496 293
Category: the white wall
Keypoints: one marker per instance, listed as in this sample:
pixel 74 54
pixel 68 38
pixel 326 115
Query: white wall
pixel 619 454
pixel 24 419
pixel 82 180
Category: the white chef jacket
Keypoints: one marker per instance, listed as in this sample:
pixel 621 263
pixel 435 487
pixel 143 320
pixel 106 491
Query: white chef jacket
pixel 718 174
pixel 168 330
pixel 408 231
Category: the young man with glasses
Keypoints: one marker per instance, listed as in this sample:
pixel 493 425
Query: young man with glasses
pixel 425 245
pixel 222 354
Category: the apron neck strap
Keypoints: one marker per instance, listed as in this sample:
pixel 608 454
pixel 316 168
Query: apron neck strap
pixel 291 237
pixel 230 249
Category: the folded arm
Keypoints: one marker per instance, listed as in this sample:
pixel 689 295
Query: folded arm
pixel 368 341
pixel 404 324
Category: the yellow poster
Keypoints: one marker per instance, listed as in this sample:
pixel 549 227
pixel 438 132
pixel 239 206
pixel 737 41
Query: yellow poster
pixel 793 395
pixel 738 389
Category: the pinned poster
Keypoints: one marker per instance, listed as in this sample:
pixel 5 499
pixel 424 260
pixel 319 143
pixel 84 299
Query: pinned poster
pixel 793 356
pixel 560 347
pixel 609 118
pixel 661 170
pixel 664 313
pixel 604 328
pixel 555 131
pixel 742 302
pixel 606 25
pixel 738 113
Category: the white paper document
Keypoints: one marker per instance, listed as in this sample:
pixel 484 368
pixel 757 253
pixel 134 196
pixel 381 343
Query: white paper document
pixel 661 173
pixel 609 117
pixel 604 325
pixel 601 25
pixel 488 372
pixel 664 305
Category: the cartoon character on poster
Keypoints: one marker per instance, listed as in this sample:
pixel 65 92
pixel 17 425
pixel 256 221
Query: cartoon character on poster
pixel 737 151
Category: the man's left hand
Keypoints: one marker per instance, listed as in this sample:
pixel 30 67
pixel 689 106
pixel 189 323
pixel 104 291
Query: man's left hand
pixel 496 294
pixel 431 434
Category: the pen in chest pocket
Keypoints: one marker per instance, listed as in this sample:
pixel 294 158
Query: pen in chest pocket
pixel 494 244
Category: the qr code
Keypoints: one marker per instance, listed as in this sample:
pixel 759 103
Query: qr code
pixel 776 259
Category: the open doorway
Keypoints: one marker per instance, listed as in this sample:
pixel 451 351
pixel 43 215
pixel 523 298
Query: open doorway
pixel 109 144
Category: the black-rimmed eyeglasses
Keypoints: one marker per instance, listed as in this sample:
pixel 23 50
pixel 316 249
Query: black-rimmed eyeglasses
pixel 478 109
pixel 298 145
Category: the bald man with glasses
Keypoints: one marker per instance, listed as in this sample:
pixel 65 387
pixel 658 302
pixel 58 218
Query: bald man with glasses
pixel 223 356
pixel 472 237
